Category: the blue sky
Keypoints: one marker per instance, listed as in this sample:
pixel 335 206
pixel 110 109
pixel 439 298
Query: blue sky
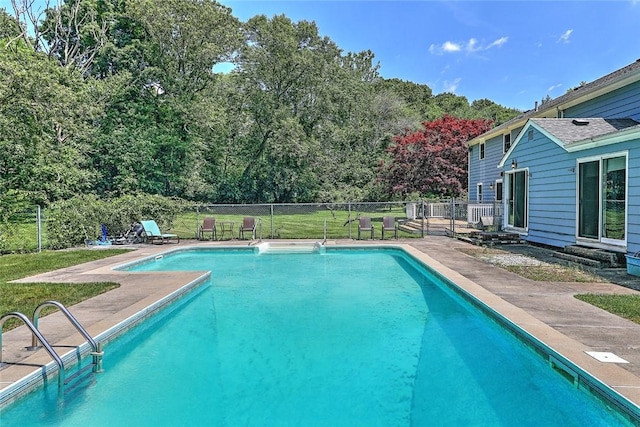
pixel 511 52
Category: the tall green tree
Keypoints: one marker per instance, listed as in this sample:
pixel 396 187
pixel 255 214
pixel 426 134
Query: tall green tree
pixel 45 113
pixel 160 118
pixel 284 69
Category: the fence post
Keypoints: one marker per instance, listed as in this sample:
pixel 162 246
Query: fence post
pixel 39 227
pixel 197 222
pixel 271 234
pixel 424 213
pixel 349 219
pixel 453 216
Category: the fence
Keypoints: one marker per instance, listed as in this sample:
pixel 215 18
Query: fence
pixel 319 221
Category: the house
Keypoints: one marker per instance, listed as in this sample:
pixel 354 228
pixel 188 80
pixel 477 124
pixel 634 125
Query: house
pixel 568 172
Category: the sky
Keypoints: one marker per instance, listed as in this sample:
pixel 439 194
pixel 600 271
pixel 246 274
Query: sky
pixel 511 52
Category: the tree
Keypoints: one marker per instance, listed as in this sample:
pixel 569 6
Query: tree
pixel 487 109
pixel 45 115
pixel 9 27
pixel 188 38
pixel 431 161
pixel 161 118
pixel 285 74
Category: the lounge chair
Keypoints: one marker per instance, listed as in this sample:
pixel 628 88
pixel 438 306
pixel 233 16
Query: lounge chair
pixel 364 225
pixel 208 226
pixel 248 224
pixel 152 232
pixel 389 224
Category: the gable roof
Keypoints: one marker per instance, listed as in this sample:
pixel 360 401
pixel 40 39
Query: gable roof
pixel 568 131
pixel 612 81
pixel 580 134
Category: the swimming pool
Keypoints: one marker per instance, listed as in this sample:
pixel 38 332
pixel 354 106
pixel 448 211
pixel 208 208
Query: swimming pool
pixel 345 337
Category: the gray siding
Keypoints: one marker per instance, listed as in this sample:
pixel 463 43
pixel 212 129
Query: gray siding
pixel 552 189
pixel 623 102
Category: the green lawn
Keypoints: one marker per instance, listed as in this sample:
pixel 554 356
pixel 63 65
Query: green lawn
pixel 626 306
pixel 296 224
pixel 25 297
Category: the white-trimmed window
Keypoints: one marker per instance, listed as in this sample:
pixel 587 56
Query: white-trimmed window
pixel 498 190
pixel 480 195
pixel 506 142
pixel 481 151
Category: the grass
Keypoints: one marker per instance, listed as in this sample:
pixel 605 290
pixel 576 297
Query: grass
pixel 25 297
pixel 540 273
pixel 625 306
pixel 552 273
pixel 294 224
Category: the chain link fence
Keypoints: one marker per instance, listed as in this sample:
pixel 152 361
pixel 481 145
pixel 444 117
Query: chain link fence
pixel 27 232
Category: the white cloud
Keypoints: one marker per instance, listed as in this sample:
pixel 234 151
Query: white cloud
pixel 553 87
pixel 565 37
pixel 471 46
pixel 499 42
pixel 452 86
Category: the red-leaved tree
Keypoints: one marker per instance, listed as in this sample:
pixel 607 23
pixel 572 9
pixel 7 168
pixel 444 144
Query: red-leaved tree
pixel 433 160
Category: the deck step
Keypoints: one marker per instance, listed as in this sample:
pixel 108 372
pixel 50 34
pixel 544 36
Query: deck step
pixel 577 259
pixel 413 226
pixel 606 258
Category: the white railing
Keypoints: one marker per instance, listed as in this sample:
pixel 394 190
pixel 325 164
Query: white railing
pixel 475 211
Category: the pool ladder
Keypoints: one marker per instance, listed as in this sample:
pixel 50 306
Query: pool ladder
pixel 37 336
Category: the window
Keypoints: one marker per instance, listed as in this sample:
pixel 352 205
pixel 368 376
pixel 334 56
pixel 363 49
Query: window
pixel 602 195
pixel 480 193
pixel 482 151
pixel 498 188
pixel 506 143
pixel 517 203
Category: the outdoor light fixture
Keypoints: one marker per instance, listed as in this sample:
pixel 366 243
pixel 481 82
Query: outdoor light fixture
pixel 514 164
pixel 491 186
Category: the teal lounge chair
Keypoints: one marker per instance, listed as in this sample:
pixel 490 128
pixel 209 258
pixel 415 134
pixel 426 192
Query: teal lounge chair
pixel 152 232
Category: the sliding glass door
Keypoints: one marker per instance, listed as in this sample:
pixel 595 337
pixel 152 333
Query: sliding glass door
pixel 602 199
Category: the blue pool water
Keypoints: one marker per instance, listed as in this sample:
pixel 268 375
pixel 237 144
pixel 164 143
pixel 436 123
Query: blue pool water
pixel 344 338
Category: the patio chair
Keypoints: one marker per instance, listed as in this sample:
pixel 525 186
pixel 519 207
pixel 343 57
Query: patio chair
pixel 365 225
pixel 389 224
pixel 248 224
pixel 208 226
pixel 152 232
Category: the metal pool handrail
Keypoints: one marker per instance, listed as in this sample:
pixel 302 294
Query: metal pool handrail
pixel 45 343
pixel 97 350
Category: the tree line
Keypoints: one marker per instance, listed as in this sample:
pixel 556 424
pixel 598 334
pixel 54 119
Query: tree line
pixel 119 97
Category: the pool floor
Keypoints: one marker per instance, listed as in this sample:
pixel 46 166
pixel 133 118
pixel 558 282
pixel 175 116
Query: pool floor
pixel 392 349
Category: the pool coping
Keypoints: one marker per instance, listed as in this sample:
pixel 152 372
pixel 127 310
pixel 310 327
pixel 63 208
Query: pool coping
pixel 621 381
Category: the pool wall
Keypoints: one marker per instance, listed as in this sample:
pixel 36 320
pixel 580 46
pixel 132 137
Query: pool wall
pixel 503 312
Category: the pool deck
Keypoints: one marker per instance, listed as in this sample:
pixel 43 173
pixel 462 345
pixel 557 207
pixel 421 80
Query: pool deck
pixel 547 310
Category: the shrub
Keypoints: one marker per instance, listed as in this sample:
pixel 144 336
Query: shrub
pixel 71 222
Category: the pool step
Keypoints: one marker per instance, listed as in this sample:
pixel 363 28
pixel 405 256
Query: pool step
pixel 289 247
pixel 80 380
